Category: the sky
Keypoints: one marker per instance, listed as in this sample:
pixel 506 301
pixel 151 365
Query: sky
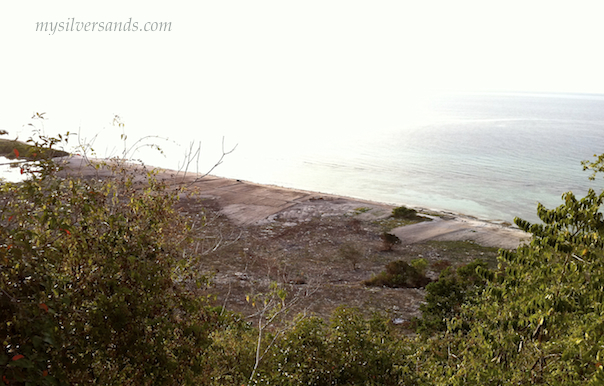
pixel 280 68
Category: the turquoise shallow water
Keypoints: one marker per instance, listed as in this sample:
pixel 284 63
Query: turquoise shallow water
pixel 493 156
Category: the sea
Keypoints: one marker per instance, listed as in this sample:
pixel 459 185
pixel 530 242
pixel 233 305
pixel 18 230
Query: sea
pixel 493 156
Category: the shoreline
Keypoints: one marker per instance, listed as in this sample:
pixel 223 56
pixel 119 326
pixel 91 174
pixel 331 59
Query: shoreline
pixel 248 203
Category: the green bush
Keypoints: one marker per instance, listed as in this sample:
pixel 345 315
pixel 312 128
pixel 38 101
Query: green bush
pixel 403 212
pixel 420 265
pixel 88 280
pixel 445 297
pixel 349 351
pixel 540 317
pixel 399 274
pixel 389 241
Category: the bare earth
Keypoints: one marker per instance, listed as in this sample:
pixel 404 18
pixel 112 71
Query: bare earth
pixel 255 234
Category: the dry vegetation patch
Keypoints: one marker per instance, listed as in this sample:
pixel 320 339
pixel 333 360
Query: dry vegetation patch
pixel 323 260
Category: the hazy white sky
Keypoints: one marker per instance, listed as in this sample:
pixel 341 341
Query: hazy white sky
pixel 254 65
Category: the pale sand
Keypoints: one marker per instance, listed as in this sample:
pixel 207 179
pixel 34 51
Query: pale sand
pixel 247 203
pixel 462 228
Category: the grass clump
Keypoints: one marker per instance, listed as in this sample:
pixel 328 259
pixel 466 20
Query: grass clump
pixel 360 210
pixel 399 274
pixel 401 216
pixel 402 212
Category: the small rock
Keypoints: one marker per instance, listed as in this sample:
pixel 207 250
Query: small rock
pixel 432 275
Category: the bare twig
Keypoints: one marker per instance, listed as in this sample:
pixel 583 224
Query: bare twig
pixel 14 162
pixel 580 259
pixel 282 308
pixel 224 154
pixel 226 298
pixel 188 159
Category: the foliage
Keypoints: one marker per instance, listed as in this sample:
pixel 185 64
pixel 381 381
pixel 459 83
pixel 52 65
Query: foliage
pixel 399 274
pixel 231 356
pixel 361 210
pixel 348 351
pixel 540 318
pixel 88 280
pixel 402 212
pixel 401 216
pixel 444 297
pixel 420 265
pixel 389 241
pixel 596 166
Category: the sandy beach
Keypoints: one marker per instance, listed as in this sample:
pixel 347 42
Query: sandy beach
pixel 248 203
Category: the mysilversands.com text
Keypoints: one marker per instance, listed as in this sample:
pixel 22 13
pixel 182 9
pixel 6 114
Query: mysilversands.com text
pixel 71 25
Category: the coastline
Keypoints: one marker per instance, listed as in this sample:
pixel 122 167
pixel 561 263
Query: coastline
pixel 247 203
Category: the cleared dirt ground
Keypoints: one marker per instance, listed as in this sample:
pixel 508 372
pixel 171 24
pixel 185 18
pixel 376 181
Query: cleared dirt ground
pixel 321 260
pixel 319 247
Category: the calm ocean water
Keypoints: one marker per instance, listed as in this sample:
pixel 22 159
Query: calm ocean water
pixel 493 156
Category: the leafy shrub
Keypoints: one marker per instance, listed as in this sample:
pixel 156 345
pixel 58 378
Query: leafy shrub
pixel 400 216
pixel 420 265
pixel 403 212
pixel 348 351
pixel 445 296
pixel 88 275
pixel 399 274
pixel 230 357
pixel 539 319
pixel 389 241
